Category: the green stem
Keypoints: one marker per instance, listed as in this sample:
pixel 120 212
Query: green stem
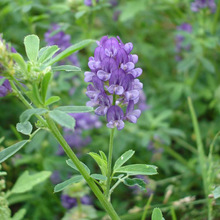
pixel 210 176
pixel 109 167
pixel 25 102
pixel 217 13
pixel 117 183
pixel 54 130
pixel 79 205
pixel 147 207
pixel 202 158
pixel 105 203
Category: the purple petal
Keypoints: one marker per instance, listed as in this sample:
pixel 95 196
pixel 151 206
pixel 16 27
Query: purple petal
pixel 128 47
pixel 88 76
pixel 104 76
pixel 136 72
pixel 132 94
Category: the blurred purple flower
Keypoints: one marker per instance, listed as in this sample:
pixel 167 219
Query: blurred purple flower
pixel 116 15
pixel 70 202
pixel 142 103
pixel 56 37
pixel 201 4
pixel 5 87
pixel 55 177
pixel 138 191
pixel 84 121
pixel 89 2
pixel 180 39
pixel 113 77
pixel 114 3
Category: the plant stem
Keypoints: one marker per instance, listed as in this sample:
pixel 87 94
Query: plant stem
pixel 105 203
pixel 215 23
pixel 117 183
pixel 109 167
pixel 54 130
pixel 210 176
pixel 202 158
pixel 79 205
pixel 147 207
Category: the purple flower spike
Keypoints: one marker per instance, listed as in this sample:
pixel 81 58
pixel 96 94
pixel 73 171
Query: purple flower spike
pixel 180 47
pixel 5 88
pixel 201 4
pixel 114 82
pixel 115 117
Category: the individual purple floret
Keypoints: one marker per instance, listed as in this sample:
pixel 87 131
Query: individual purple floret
pixel 89 2
pixel 70 202
pixel 180 39
pixel 5 87
pixel 201 4
pixel 114 84
pixel 56 37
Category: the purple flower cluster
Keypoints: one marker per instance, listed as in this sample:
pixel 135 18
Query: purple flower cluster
pixel 70 202
pixel 89 2
pixel 201 4
pixel 62 40
pixel 114 84
pixel 5 87
pixel 84 121
pixel 180 47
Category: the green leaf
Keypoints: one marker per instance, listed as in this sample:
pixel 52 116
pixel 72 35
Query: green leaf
pixel 19 215
pixel 137 169
pixel 44 85
pixel 47 52
pixel 2 80
pixel 52 100
pixel 216 192
pixel 157 214
pixel 99 177
pixel 20 61
pixel 26 182
pixel 103 156
pixel 36 94
pixel 24 128
pixel 72 165
pixel 31 43
pixel 59 187
pixel 207 64
pixel 185 64
pixel 135 181
pixel 9 151
pixel 70 50
pixel 102 163
pixel 123 158
pixel 26 115
pixel 74 109
pixel 68 68
pixel 63 119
